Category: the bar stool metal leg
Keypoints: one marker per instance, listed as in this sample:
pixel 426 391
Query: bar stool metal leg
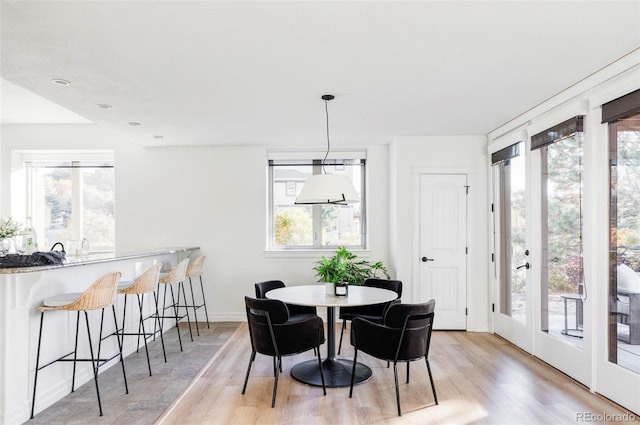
pixel 75 353
pixel 186 307
pixel 94 364
pixel 100 333
pixel 144 333
pixel 204 301
pixel 35 379
pixel 115 323
pixel 193 301
pixel 159 324
pixel 175 312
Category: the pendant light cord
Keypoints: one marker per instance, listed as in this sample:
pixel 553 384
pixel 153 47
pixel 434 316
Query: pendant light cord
pixel 326 111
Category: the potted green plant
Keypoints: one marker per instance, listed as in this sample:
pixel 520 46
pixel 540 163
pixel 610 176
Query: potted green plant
pixel 345 268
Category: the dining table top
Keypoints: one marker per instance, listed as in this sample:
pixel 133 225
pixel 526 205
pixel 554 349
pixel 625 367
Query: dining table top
pixel 316 295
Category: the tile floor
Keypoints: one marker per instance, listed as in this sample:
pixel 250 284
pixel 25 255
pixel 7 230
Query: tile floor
pixel 148 396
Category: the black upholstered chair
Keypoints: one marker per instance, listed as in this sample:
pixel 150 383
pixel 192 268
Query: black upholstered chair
pixel 296 312
pixel 373 313
pixel 403 336
pixel 273 334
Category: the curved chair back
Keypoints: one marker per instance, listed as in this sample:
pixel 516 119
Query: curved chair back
pixel 296 312
pixel 262 314
pixel 373 312
pixel 196 266
pixel 391 284
pixel 414 314
pixel 176 274
pixel 263 287
pixel 413 323
pixel 144 283
pixel 99 295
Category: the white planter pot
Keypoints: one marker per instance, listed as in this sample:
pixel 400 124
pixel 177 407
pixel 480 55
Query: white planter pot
pixel 329 287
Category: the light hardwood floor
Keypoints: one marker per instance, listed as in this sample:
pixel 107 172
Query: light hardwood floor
pixel 480 379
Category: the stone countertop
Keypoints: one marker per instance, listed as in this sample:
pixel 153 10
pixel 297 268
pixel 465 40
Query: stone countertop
pixel 73 260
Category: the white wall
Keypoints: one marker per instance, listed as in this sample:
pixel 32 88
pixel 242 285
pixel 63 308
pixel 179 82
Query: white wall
pixel 212 197
pixel 442 154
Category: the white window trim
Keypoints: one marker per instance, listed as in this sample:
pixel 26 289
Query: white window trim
pixel 311 252
pixel 23 159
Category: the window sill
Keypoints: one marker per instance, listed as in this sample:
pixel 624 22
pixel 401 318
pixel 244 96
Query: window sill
pixel 310 253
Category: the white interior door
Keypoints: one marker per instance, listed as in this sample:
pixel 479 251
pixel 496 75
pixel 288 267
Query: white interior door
pixel 443 247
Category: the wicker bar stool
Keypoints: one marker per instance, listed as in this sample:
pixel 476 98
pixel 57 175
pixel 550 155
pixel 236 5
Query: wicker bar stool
pixel 177 276
pixel 100 295
pixel 146 283
pixel 195 270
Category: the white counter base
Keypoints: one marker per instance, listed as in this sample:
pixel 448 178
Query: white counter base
pixel 23 290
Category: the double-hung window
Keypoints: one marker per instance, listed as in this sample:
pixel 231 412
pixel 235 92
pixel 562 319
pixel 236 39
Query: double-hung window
pixel 294 226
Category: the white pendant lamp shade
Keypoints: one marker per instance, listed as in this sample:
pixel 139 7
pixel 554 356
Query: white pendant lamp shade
pixel 336 189
pixel 328 189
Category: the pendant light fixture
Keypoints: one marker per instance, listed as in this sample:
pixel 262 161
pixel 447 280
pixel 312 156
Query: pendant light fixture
pixel 332 189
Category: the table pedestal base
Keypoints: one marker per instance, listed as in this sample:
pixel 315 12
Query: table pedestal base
pixel 337 373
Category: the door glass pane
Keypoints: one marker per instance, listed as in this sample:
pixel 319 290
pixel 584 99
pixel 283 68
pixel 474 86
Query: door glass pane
pixel 513 230
pixel 624 285
pixel 562 271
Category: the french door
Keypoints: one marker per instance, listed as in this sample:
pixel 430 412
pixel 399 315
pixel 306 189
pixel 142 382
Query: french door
pixel 561 321
pixel 511 247
pixel 566 215
pixel 618 363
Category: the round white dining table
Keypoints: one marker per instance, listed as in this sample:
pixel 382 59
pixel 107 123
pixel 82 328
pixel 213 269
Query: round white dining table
pixel 337 371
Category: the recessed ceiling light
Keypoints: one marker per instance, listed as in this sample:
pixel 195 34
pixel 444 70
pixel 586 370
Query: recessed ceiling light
pixel 61 82
pixel 134 124
pixel 103 106
pixel 158 137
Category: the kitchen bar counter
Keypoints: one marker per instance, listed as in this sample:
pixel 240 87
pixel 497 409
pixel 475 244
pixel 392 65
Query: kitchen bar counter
pixel 73 260
pixel 22 291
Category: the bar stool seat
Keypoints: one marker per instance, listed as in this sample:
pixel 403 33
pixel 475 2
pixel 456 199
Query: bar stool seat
pixel 100 295
pixel 146 283
pixel 62 299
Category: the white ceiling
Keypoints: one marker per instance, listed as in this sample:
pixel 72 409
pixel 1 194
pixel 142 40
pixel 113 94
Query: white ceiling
pixel 231 72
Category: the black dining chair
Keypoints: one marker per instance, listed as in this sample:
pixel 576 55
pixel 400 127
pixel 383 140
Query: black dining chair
pixel 273 334
pixel 296 312
pixel 403 336
pixel 373 313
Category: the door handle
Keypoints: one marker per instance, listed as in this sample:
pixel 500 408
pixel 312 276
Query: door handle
pixel 425 259
pixel 526 266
